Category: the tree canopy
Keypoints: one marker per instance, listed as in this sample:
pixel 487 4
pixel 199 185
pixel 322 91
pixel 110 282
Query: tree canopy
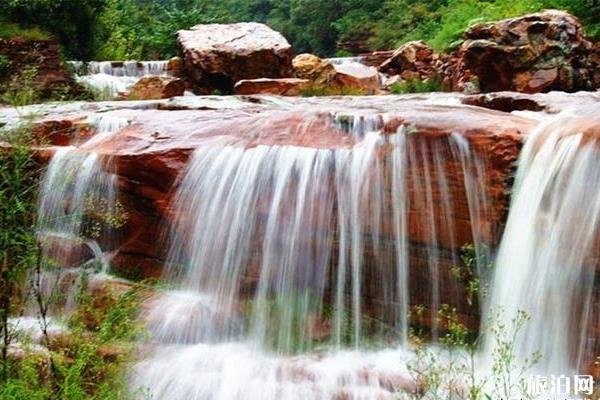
pixel 136 29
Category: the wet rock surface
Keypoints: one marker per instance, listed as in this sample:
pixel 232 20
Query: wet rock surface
pixel 281 87
pixel 151 154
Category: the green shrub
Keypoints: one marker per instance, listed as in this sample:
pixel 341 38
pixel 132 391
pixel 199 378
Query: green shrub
pixel 315 91
pixel 89 362
pixel 417 86
pixel 4 63
pixel 10 30
pixel 22 89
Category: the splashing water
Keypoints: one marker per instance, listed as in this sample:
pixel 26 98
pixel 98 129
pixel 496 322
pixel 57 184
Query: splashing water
pixel 77 192
pixel 544 266
pixel 284 250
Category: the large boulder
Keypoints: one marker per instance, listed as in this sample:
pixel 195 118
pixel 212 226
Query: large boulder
pixel 533 53
pixel 157 87
pixel 342 78
pixel 216 56
pixel 281 87
pixel 413 60
pixel 314 68
pixel 356 77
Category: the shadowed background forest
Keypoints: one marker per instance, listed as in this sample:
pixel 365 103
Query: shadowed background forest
pixel 144 29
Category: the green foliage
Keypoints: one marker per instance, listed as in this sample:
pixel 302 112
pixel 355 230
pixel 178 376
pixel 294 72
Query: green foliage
pixel 134 29
pixel 70 21
pixel 88 360
pixel 4 63
pixel 315 91
pixel 474 272
pixel 450 371
pixel 10 30
pixel 22 89
pixel 417 86
pixel 18 182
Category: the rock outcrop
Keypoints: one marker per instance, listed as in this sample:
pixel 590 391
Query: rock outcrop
pixel 534 53
pixel 216 56
pixel 308 66
pixel 413 60
pixel 332 78
pixel 156 87
pixel 35 60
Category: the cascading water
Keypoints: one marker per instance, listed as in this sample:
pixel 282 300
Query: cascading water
pixel 283 250
pixel 545 264
pixel 76 197
pixel 112 77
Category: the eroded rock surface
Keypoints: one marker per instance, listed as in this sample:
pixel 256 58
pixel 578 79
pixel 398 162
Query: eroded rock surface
pixel 216 56
pixel 533 53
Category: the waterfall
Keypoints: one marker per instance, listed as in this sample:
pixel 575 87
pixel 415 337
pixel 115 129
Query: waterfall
pixel 78 195
pixel 112 77
pixel 545 264
pixel 292 263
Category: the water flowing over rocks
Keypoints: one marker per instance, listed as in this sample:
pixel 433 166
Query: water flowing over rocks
pixel 281 86
pixel 534 53
pixel 152 151
pixel 216 56
pixel 295 223
pixel 341 75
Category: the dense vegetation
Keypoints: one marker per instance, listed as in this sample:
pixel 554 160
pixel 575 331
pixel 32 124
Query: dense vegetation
pixel 120 29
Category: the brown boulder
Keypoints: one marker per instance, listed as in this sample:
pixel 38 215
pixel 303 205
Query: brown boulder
pixel 533 53
pixel 356 77
pixel 336 78
pixel 175 66
pixel 309 66
pixel 156 87
pixel 413 60
pixel 281 87
pixel 216 56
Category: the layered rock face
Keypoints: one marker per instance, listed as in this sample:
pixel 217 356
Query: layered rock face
pixel 216 56
pixel 41 58
pixel 152 152
pixel 534 53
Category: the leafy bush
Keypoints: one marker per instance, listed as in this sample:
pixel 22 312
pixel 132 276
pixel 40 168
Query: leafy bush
pixel 21 89
pixel 87 361
pixel 417 86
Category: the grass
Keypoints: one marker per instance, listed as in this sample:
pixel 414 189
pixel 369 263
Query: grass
pixel 10 30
